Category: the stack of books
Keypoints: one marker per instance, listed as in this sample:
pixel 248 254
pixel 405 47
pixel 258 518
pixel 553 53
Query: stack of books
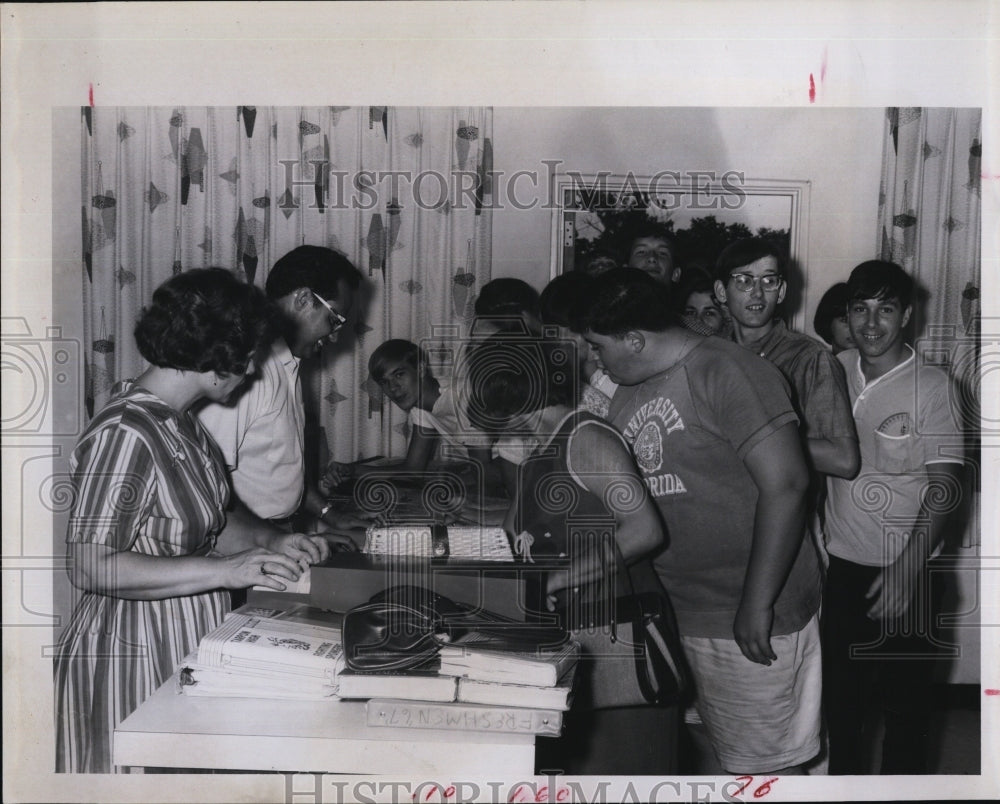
pixel 293 653
pixel 474 684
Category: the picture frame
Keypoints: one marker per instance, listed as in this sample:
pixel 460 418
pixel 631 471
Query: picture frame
pixel 699 211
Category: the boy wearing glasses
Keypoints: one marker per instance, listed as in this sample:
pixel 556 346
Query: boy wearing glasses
pixel 750 281
pixel 261 434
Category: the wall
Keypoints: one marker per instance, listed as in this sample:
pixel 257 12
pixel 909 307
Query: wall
pixel 838 150
pixel 67 300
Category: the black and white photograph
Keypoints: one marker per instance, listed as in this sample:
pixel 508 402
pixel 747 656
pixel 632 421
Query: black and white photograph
pixel 380 425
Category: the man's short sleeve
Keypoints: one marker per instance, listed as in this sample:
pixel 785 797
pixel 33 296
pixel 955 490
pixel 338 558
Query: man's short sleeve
pixel 824 401
pixel 937 429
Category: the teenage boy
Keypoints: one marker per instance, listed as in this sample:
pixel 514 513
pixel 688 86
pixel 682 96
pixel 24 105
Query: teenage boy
pixel 750 281
pixel 261 434
pixel 883 528
pixel 402 371
pixel 652 252
pixel 716 439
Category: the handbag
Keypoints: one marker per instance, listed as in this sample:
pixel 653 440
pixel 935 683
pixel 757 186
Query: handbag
pixel 630 646
pixel 405 626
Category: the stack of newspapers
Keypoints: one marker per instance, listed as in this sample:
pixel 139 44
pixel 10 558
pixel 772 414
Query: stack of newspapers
pixel 475 683
pixel 292 653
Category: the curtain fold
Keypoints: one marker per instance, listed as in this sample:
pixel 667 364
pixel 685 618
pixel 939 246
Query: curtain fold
pixel 930 224
pixel 402 192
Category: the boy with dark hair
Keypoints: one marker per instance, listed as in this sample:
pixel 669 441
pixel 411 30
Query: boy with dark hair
pixel 883 528
pixel 652 252
pixel 262 433
pixel 558 299
pixel 750 281
pixel 716 440
pixel 506 303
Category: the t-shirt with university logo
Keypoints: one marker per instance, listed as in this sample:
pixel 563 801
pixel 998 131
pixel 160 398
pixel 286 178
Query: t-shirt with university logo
pixel 690 428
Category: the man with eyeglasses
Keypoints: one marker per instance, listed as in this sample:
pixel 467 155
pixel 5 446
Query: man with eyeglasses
pixel 262 433
pixel 750 281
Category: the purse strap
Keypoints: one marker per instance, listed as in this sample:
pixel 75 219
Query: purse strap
pixel 641 622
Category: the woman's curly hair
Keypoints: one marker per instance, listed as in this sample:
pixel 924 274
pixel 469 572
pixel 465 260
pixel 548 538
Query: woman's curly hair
pixel 202 320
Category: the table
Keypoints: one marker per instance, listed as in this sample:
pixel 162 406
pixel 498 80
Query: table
pixel 181 731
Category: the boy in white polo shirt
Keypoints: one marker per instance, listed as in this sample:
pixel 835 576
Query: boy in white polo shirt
pixel 882 529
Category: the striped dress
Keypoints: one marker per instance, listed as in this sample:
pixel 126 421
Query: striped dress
pixel 148 480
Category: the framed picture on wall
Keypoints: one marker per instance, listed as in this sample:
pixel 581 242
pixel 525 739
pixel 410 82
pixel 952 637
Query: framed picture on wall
pixel 596 216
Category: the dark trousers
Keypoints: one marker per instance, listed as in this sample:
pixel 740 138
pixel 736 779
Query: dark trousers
pixel 873 666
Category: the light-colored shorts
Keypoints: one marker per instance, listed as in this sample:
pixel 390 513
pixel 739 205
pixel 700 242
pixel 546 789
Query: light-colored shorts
pixel 760 718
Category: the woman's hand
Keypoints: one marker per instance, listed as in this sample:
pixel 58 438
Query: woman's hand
pixel 259 567
pixel 335 474
pixel 304 549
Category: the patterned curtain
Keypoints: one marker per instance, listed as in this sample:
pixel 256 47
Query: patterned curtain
pixel 930 223
pixel 403 192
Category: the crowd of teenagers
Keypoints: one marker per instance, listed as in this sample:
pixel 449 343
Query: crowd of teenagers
pixel 754 455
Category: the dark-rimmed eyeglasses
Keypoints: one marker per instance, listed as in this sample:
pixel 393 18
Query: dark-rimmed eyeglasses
pixel 338 319
pixel 768 282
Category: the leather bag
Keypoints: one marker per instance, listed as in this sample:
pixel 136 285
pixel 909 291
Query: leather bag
pixel 405 626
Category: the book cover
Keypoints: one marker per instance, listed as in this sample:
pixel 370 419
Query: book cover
pixel 411 685
pixel 463 717
pixel 519 695
pixel 484 658
pixel 263 643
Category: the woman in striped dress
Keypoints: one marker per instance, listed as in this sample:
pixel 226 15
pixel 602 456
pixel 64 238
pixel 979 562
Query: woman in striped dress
pixel 149 544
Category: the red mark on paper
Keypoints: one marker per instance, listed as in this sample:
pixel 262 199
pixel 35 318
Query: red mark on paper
pixel 762 790
pixel 539 795
pixel 812 89
pixel 822 69
pixel 991 692
pixel 91 95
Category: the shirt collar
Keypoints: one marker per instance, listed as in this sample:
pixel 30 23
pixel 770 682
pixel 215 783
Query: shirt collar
pixel 765 342
pixel 283 354
pixel 890 373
